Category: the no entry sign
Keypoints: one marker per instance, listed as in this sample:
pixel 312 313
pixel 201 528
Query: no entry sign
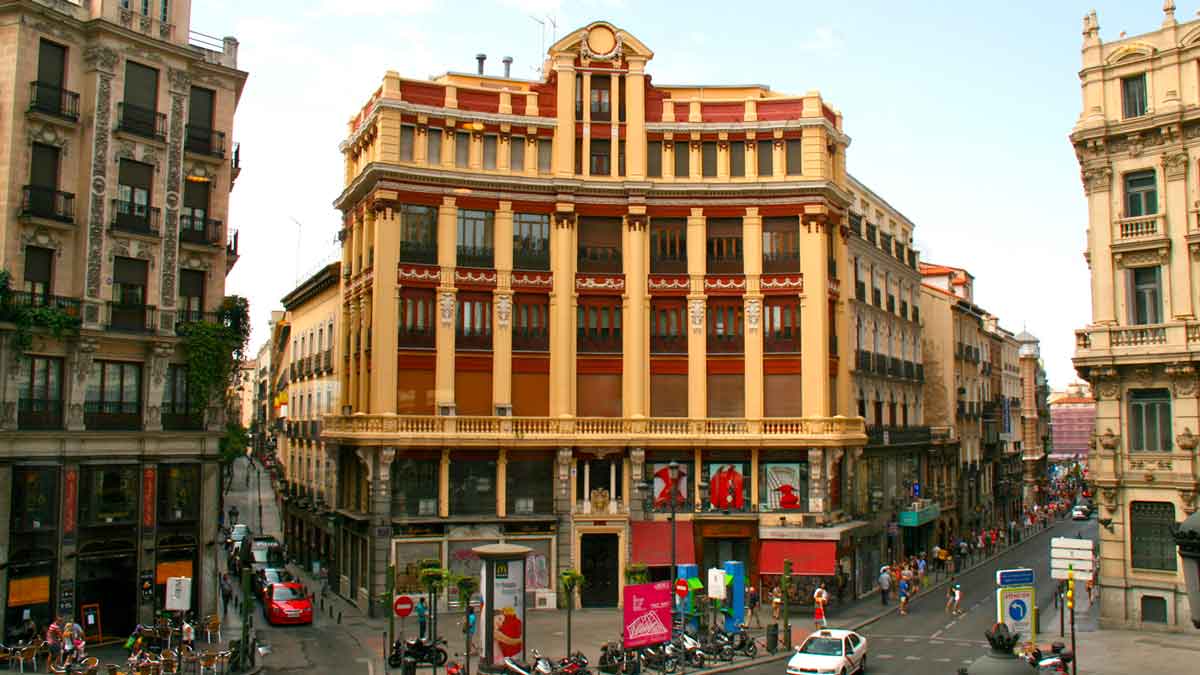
pixel 403 606
pixel 681 588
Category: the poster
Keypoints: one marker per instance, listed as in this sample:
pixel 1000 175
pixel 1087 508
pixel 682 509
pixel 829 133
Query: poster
pixel 507 609
pixel 179 594
pixel 784 486
pixel 663 488
pixel 647 614
pixel 727 485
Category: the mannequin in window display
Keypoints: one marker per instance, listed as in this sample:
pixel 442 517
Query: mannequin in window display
pixel 788 498
pixel 725 488
pixel 665 487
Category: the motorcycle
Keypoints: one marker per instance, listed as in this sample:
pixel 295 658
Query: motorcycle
pixel 421 650
pixel 711 648
pixel 614 659
pixel 687 649
pixel 540 666
pixel 659 657
pixel 741 641
pixel 575 664
pixel 1057 662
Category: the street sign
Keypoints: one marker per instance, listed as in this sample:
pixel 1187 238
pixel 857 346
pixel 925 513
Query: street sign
pixel 1070 554
pixel 1014 607
pixel 716 583
pixel 1022 576
pixel 1068 542
pixel 681 588
pixel 403 606
pixel 1078 565
pixel 1061 574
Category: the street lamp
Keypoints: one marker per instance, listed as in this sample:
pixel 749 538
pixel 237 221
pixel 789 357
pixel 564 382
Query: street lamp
pixel 1187 537
pixel 673 473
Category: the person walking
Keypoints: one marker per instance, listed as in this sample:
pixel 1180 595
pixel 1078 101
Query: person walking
pixel 776 603
pixel 226 593
pixel 957 597
pixel 903 591
pixel 885 585
pixel 422 617
pixel 54 638
pixel 950 597
pixel 819 600
pixel 188 634
pixel 752 606
pixel 468 625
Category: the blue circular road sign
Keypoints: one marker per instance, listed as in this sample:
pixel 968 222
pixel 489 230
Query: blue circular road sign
pixel 1017 610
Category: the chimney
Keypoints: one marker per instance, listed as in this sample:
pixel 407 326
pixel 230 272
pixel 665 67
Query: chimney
pixel 481 58
pixel 507 66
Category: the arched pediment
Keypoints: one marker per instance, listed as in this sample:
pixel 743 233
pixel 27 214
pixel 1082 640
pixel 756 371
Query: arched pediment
pixel 1129 52
pixel 601 41
pixel 1190 38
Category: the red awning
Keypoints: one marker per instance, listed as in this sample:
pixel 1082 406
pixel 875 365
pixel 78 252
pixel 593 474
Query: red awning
pixel 652 543
pixel 816 558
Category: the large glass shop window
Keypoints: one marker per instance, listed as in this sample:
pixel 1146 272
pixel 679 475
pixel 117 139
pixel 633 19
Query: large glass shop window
pixel 728 486
pixel 108 495
pixel 783 486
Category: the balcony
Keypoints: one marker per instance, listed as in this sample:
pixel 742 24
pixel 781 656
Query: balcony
pixel 203 231
pixel 782 342
pixel 599 341
pixel 600 259
pixel 144 122
pixel 909 370
pixel 27 299
pixel 531 259
pixel 476 256
pixel 416 338
pixel 112 416
pixel 184 317
pixel 422 431
pixel 39 414
pixel 526 340
pixel 130 318
pixel 781 262
pixel 474 340
pixel 420 252
pixel 50 99
pixel 231 247
pixel 862 361
pixel 1133 233
pixel 920 372
pixel 135 218
pixel 668 264
pixel 872 237
pixel 327 359
pixel 919 513
pixel 894 368
pixel 177 417
pixel 668 344
pixel 884 435
pixel 235 163
pixel 204 141
pixel 48 203
pixel 726 344
pixel 730 263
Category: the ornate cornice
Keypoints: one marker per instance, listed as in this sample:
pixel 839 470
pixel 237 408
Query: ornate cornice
pixel 442 113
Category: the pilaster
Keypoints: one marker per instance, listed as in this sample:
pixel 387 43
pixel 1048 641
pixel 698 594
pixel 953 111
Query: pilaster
pixel 586 144
pixel 1098 185
pixel 384 304
pixel 11 362
pixel 158 357
pixel 76 378
pixel 381 520
pixel 817 475
pixel 562 313
pixel 636 347
pixel 364 359
pixel 502 483
pixel 444 484
pixel 635 119
pixel 1175 206
pixel 350 393
pixel 814 313
pixel 753 313
pixel 502 308
pixel 564 131
pixel 447 306
pixel 697 311
pixel 6 478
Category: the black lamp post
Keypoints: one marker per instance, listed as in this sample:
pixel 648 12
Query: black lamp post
pixel 673 473
pixel 1187 537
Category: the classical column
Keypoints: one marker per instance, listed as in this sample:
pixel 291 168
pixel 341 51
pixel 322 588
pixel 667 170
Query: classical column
pixel 814 312
pixel 751 155
pixel 381 519
pixel 562 315
pixel 636 347
pixel 1175 207
pixel 444 484
pixel 384 304
pixel 350 324
pixel 447 259
pixel 502 309
pixel 1097 183
pixel 697 310
pixel 753 313
pixel 635 118
pixel 502 483
pixel 364 359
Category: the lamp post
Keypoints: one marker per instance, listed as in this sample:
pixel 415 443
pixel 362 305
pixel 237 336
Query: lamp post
pixel 673 473
pixel 1187 537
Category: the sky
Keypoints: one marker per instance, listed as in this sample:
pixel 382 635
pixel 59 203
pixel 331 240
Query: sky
pixel 959 115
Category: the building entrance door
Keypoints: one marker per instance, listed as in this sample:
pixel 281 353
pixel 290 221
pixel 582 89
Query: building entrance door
pixel 599 563
pixel 110 581
pixel 717 551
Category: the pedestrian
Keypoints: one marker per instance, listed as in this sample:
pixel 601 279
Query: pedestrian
pixel 468 626
pixel 422 617
pixel 904 590
pixel 54 638
pixel 226 593
pixel 820 595
pixel 188 634
pixel 921 565
pixel 752 606
pixel 957 598
pixel 885 585
pixel 324 574
pixel 950 597
pixel 819 609
pixel 776 603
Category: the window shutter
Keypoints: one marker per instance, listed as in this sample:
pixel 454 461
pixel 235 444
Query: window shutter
pixel 136 174
pixel 38 264
pixel 129 271
pixel 191 283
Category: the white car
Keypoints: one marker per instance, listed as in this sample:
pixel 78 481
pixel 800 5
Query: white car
pixel 830 652
pixel 1079 513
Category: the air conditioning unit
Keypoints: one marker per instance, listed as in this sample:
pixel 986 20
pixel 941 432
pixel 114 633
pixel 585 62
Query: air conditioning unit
pixel 545 599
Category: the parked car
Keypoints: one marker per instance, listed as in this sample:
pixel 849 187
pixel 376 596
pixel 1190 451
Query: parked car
pixel 267 576
pixel 237 535
pixel 839 652
pixel 286 603
pixel 1079 513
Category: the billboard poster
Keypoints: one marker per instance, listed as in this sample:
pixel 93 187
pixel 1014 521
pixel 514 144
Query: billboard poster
pixel 664 487
pixel 507 609
pixel 647 614
pixel 728 485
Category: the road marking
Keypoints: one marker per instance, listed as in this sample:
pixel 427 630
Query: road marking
pixel 370 665
pixel 935 642
pixel 910 639
pixel 937 635
pixel 942 660
pixel 884 656
pixel 912 658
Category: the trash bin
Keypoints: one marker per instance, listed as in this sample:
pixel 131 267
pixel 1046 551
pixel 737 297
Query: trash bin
pixel 772 638
pixel 408 666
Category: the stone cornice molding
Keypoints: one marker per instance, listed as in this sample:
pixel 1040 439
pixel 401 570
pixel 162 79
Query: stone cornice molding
pixel 441 112
pixel 768 125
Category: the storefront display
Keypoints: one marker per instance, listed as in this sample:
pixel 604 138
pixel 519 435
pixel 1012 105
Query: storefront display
pixel 728 485
pixel 665 489
pixel 783 486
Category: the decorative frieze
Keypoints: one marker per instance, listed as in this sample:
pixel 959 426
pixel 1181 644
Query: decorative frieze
pixel 503 309
pixel 532 280
pixel 696 308
pixel 1097 179
pixel 103 60
pixel 446 307
pixel 600 282
pixel 419 274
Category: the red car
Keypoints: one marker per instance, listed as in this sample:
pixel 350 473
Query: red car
pixel 287 603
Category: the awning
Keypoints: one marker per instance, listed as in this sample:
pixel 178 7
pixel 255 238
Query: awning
pixel 817 558
pixel 652 542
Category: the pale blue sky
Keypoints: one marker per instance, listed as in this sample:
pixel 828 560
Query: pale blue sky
pixel 959 114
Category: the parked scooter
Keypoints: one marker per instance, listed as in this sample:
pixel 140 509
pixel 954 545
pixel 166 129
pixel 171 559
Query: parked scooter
pixel 575 664
pixel 540 666
pixel 658 657
pixel 687 649
pixel 422 650
pixel 741 641
pixel 712 648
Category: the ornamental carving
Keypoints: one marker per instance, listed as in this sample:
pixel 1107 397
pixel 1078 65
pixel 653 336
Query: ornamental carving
pixel 635 222
pixel 446 306
pixel 1188 497
pixel 1187 440
pixel 668 283
pixel 564 469
pixel 99 182
pixel 601 43
pixel 1108 495
pixel 477 277
pixel 1175 164
pixel 503 310
pixel 1097 179
pixel 1109 441
pixel 696 314
pixel 419 274
pixel 42 238
pixel 753 313
pixel 564 220
pixel 532 280
pixel 103 58
pixel 782 282
pixel 83 358
pixel 1183 377
pixel 614 282
pixel 49 134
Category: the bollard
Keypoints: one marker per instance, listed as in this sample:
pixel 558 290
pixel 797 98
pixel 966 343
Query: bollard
pixel 339 618
pixel 322 604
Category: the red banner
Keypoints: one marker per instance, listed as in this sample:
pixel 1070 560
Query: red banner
pixel 148 485
pixel 70 500
pixel 647 614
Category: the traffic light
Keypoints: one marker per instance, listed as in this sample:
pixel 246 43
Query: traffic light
pixel 1071 589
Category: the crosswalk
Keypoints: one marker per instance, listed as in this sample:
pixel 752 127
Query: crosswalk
pixel 892 648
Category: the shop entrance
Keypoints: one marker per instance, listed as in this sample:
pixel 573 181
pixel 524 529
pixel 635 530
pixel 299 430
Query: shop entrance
pixel 599 565
pixel 717 551
pixel 110 581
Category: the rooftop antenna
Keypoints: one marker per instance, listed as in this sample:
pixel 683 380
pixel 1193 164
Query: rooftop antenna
pixel 299 236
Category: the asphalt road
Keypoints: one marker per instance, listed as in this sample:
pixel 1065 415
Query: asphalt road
pixel 930 642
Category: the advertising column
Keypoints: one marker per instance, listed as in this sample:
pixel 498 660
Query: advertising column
pixel 502 615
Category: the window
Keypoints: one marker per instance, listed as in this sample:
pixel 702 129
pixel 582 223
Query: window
pixel 1152 546
pixel 598 324
pixel 724 245
pixel 708 158
pixel 164 13
pixel 1149 420
pixel 781 324
pixel 475 238
pixel 726 395
pixel 682 160
pixel 407 138
pixel 654 152
pixel 531 241
pixel 545 155
pixel 490 142
pixel 781 244
pixel 39 267
pixel 792 155
pixel 765 158
pixel 600 98
pixel 193 217
pixel 620 158
pixel 35 501
pixel 200 136
pixel 415 487
pixel 1133 95
pixel 139 110
pixel 108 494
pixel 737 159
pixel 472 486
pixel 418 234
pixel 178 492
pixel 42 197
pixel 668 245
pixel 1141 194
pixel 530 482
pixel 473 328
pixel 599 244
pixel 433 146
pixel 725 325
pixel 783 485
pixel 668 326
pixel 579 97
pixel 48 96
pixel 39 389
pixel 516 153
pixel 531 322
pixel 128 308
pixel 462 149
pixel 113 398
pixel 600 164
pixel 191 295
pixel 177 413
pixel 1146 297
pixel 133 211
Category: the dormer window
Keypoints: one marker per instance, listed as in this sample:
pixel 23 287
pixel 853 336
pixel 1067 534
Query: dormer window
pixel 1133 95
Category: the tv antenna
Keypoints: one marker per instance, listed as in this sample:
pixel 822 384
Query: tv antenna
pixel 547 19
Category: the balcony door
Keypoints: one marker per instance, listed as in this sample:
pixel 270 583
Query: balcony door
pixel 43 180
pixel 133 195
pixel 191 295
pixel 193 217
pixel 129 294
pixel 39 273
pixel 141 99
pixel 200 120
pixel 51 76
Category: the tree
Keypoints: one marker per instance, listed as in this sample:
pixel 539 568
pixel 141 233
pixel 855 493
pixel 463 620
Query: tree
pixel 571 580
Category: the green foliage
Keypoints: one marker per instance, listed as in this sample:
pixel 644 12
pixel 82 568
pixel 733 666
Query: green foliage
pixel 636 573
pixel 434 577
pixel 234 443
pixel 571 579
pixel 55 320
pixel 213 348
pixel 466 585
